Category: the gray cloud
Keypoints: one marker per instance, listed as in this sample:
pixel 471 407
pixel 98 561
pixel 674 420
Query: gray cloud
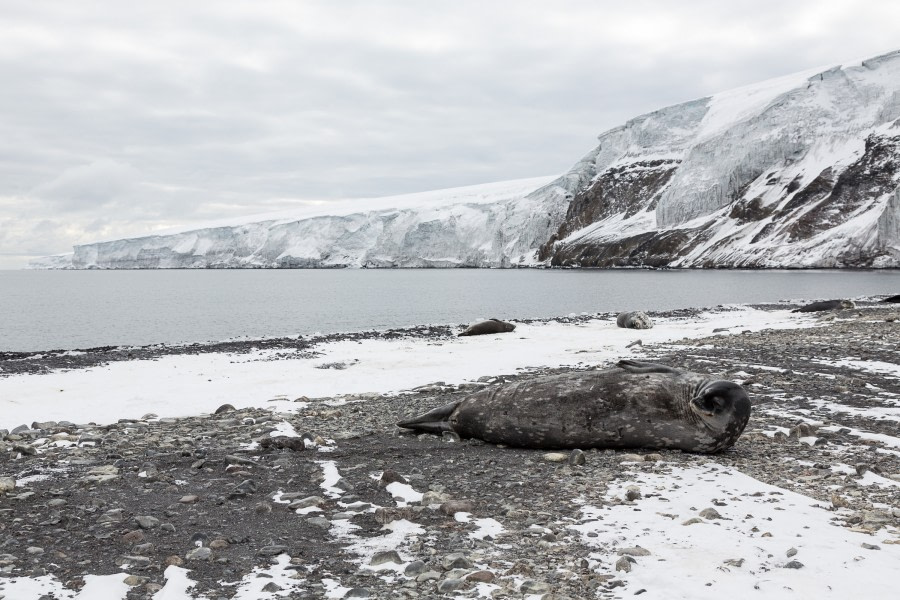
pixel 122 119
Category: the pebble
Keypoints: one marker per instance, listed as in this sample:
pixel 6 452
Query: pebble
pixel 710 513
pixel 306 502
pixel 454 506
pixel 274 550
pixel 320 522
pixel 635 551
pixel 201 553
pixel 577 458
pixel 450 585
pixel 135 580
pixel 7 484
pixel 387 556
pixel 556 457
pixel 147 522
pixel 624 564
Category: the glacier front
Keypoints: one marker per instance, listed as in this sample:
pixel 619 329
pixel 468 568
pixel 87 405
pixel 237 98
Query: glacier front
pixel 802 171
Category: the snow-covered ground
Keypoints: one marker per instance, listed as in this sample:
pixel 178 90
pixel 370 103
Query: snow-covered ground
pixel 184 385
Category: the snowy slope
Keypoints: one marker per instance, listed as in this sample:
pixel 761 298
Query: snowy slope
pixel 799 171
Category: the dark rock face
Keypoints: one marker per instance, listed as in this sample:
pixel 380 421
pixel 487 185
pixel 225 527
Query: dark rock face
pixel 627 190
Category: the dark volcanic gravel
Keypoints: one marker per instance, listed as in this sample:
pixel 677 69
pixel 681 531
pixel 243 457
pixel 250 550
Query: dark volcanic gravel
pixel 149 493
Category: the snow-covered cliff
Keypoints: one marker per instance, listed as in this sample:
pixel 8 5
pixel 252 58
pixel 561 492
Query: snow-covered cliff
pixel 799 171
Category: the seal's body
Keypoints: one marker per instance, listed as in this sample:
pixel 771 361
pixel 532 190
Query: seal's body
pixel 634 405
pixel 892 299
pixel 826 305
pixel 634 320
pixel 489 326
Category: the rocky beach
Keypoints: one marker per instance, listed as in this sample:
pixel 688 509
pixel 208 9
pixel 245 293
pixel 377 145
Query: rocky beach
pixel 322 496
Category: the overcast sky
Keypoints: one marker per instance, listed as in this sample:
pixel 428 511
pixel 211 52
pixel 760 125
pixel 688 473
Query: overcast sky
pixel 121 118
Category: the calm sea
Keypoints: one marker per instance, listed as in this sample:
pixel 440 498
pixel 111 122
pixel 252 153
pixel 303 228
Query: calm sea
pixel 44 310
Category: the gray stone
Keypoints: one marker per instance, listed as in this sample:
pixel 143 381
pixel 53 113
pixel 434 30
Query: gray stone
pixel 635 551
pixel 794 564
pixel 454 506
pixel 7 484
pixel 388 556
pixel 25 449
pixel 247 486
pixel 450 585
pixel 577 458
pixel 530 586
pixel 319 522
pixel 307 502
pixel 271 550
pixel 456 560
pixel 201 553
pixel 556 457
pixel 147 522
pixel 416 567
pixel 624 564
pixel 135 580
pixel 358 592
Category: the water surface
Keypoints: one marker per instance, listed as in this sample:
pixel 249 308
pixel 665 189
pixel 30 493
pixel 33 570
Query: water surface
pixel 43 310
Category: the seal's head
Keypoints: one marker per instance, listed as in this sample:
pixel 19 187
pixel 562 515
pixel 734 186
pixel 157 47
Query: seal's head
pixel 724 407
pixel 504 326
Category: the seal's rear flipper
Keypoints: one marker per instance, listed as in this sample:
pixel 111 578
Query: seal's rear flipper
pixel 634 366
pixel 434 421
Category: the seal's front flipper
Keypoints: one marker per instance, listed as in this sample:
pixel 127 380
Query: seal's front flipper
pixel 635 366
pixel 434 421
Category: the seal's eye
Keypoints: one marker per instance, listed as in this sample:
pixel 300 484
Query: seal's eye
pixel 713 404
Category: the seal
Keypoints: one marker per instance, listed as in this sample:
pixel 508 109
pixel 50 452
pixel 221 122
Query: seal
pixel 634 320
pixel 893 299
pixel 826 305
pixel 489 326
pixel 633 405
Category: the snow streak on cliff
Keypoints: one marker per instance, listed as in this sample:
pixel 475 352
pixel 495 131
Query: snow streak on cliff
pixel 800 171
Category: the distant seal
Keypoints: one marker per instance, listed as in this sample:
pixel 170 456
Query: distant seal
pixel 633 405
pixel 489 326
pixel 893 299
pixel 634 320
pixel 826 305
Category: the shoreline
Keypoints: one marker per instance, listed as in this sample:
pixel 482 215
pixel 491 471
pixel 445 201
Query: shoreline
pixel 129 500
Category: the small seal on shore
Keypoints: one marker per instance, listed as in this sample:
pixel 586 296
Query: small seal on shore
pixel 489 326
pixel 894 299
pixel 633 405
pixel 826 305
pixel 634 320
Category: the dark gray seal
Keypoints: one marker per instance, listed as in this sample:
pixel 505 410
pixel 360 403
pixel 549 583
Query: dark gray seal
pixel 826 305
pixel 489 326
pixel 633 405
pixel 893 299
pixel 634 320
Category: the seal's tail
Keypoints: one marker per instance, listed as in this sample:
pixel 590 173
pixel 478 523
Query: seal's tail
pixel 434 421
